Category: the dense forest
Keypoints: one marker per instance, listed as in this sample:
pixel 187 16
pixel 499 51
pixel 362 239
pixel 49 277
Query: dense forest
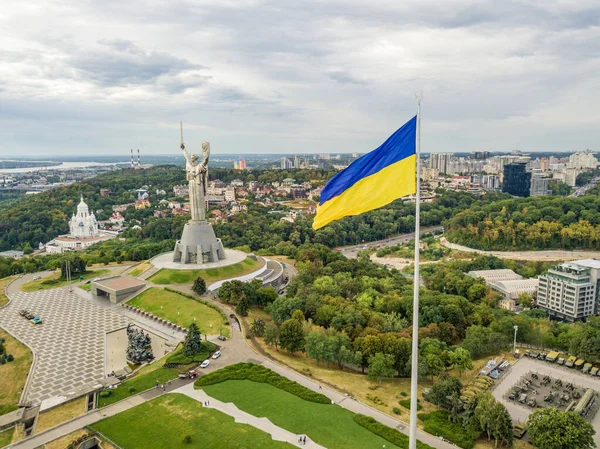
pixel 39 218
pixel 361 306
pixel 536 223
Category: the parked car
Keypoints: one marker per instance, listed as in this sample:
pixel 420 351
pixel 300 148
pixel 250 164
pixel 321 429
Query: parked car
pixel 222 337
pixel 192 374
pixel 36 277
pixel 205 364
pixel 216 355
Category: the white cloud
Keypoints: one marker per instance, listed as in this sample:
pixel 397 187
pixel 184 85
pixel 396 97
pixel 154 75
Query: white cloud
pixel 281 76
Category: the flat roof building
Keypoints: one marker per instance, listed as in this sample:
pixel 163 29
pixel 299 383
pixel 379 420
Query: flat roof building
pixel 514 288
pixel 117 288
pixel 492 276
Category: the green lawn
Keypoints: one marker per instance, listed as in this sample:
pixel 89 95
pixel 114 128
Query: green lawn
pixel 34 286
pixel 6 436
pixel 180 310
pixel 13 375
pixel 166 276
pixel 329 425
pixel 86 287
pixel 162 423
pixel 137 384
pixel 140 269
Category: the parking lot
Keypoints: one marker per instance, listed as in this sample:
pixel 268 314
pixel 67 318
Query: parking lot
pixel 523 368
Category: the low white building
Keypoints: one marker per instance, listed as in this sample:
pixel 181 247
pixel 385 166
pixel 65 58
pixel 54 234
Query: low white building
pixel 513 289
pixel 492 276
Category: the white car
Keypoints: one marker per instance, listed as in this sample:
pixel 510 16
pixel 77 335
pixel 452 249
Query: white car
pixel 205 363
pixel 35 278
pixel 216 355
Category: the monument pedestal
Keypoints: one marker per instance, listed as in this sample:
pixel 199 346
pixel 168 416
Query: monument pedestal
pixel 198 244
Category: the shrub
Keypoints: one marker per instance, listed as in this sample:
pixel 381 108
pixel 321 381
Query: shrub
pixel 10 358
pixel 397 411
pixel 132 390
pixel 392 435
pixel 406 403
pixel 105 393
pixel 403 393
pixel 437 423
pixel 2 359
pixel 50 282
pixel 187 439
pixel 260 374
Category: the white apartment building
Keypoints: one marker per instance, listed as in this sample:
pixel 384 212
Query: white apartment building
pixel 569 291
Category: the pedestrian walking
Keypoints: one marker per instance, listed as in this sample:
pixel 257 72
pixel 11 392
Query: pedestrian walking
pixel 304 440
pixel 320 387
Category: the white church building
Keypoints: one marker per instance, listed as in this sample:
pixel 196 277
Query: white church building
pixel 83 232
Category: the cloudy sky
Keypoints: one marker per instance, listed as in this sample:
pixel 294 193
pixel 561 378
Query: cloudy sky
pixel 253 76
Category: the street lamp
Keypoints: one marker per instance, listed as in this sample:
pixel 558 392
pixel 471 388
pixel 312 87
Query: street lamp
pixel 516 328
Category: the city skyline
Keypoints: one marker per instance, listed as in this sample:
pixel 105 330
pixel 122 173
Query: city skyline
pixel 258 77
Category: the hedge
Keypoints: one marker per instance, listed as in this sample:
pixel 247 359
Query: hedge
pixel 406 404
pixel 260 374
pixel 178 358
pixel 201 301
pixel 392 435
pixel 437 423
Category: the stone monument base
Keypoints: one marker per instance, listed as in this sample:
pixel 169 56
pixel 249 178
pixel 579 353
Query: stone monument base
pixel 198 244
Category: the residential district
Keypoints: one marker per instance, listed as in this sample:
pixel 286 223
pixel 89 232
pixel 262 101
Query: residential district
pixel 126 324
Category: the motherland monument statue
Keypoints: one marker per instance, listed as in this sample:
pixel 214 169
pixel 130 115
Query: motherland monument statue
pixel 198 243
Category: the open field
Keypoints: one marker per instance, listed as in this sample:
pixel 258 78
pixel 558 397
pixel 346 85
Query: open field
pixel 33 286
pixel 168 276
pixel 60 414
pixel 329 425
pixel 13 374
pixel 180 310
pixel 164 422
pixel 3 283
pixel 140 269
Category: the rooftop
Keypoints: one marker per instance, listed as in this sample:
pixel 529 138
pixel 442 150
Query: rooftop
pixel 120 282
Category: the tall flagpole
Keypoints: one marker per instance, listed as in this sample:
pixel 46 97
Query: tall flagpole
pixel 415 332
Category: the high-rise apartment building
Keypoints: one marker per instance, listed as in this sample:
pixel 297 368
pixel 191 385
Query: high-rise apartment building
pixel 539 184
pixel 569 291
pixel 286 163
pixel 582 159
pixel 440 161
pixel 516 180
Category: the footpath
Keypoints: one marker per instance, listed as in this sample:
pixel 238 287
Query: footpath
pixel 277 433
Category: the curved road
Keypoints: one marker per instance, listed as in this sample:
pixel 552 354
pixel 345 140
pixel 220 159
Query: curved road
pixel 549 255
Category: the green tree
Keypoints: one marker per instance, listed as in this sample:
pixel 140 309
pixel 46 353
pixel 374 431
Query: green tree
pixel 258 327
pixel 502 427
pixel 291 335
pixel 193 341
pixel 550 428
pixel 242 306
pixel 199 286
pixel 442 389
pixel 460 359
pixel 381 366
pixel 272 334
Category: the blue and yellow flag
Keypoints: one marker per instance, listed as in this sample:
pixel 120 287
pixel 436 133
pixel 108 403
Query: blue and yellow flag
pixel 374 180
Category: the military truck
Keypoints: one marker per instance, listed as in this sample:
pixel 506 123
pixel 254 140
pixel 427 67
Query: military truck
pixel 519 429
pixel 579 364
pixel 552 356
pixel 594 371
pixel 561 361
pixel 570 361
pixel 586 368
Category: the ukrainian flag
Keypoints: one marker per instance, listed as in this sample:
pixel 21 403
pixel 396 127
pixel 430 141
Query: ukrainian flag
pixel 372 181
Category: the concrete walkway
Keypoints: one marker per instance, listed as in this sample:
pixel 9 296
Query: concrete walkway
pixel 277 433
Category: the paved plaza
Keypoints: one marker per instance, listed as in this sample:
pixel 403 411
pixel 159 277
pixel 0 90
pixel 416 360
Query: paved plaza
pixel 69 345
pixel 526 365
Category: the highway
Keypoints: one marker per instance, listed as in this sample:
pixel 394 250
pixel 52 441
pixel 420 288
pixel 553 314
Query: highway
pixel 351 252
